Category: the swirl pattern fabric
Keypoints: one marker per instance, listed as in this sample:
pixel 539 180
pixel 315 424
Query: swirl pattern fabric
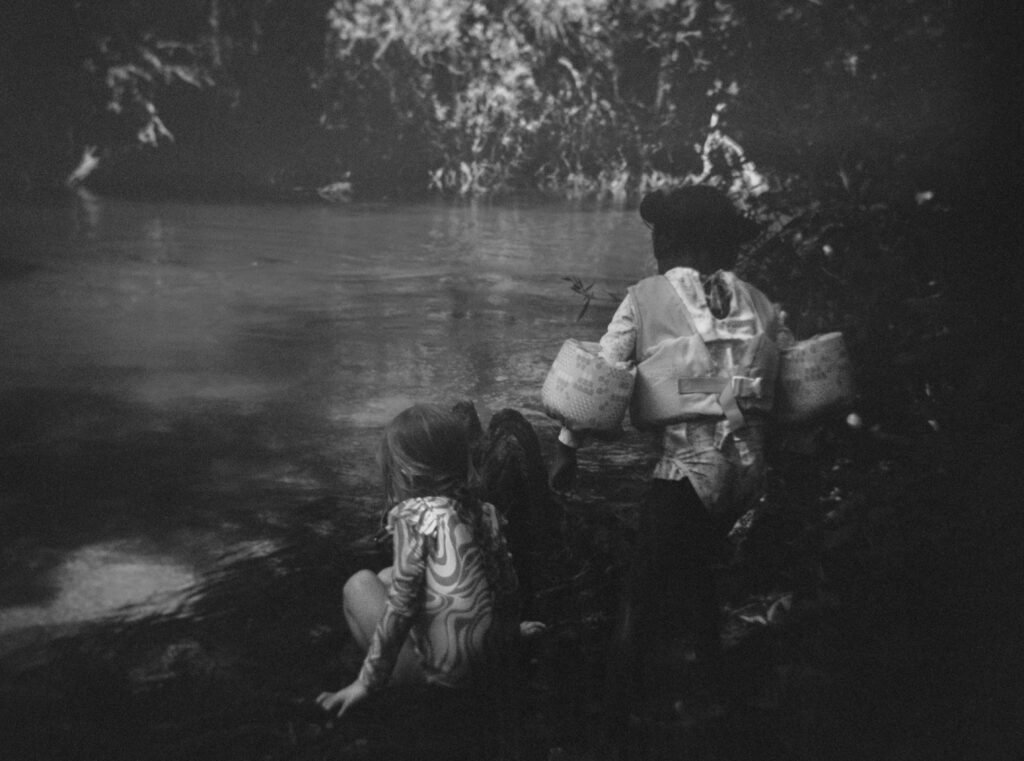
pixel 440 596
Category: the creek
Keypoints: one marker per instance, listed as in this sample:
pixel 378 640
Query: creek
pixel 183 380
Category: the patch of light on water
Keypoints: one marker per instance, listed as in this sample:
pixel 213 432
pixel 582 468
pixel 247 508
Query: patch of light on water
pixel 102 580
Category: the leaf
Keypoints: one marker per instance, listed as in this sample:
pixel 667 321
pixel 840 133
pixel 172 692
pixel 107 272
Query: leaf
pixel 583 311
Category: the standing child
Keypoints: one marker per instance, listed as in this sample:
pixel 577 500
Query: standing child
pixel 704 344
pixel 446 611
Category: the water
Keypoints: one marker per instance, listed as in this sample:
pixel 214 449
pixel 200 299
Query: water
pixel 181 379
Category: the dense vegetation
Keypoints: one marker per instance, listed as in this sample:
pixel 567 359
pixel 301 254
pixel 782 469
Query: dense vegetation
pixel 573 96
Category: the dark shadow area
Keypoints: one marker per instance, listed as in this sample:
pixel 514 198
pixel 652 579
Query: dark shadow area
pixel 858 602
pixel 11 269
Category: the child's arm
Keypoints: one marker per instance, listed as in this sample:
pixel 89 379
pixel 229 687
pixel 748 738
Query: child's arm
pixel 618 344
pixel 404 599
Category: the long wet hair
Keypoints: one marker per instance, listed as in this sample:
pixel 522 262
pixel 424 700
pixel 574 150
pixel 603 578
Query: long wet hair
pixel 426 452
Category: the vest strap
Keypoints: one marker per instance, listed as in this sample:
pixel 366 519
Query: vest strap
pixel 732 411
pixel 702 385
pixel 727 389
pixel 746 386
pixel 741 386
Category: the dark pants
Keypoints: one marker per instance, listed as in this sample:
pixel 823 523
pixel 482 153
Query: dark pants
pixel 670 612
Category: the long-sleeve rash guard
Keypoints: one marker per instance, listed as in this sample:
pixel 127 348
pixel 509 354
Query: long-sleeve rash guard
pixel 440 596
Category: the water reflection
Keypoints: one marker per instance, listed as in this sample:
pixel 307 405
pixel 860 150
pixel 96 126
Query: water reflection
pixel 219 368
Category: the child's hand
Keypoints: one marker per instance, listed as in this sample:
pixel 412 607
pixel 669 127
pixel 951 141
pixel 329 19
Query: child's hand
pixel 563 469
pixel 343 699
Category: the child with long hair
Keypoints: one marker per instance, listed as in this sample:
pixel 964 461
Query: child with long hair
pixel 445 612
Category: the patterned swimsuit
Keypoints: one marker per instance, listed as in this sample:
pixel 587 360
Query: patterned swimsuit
pixel 440 596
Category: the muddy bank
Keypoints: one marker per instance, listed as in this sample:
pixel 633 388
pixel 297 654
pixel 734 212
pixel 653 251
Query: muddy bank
pixel 854 603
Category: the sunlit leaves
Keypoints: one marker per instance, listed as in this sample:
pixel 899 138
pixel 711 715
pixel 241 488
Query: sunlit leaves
pixel 424 28
pixel 135 73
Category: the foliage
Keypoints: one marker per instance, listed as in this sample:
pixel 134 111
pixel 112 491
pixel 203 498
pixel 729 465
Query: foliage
pixel 602 98
pixel 154 87
pixel 586 292
pixel 91 74
pixel 606 97
pixel 490 88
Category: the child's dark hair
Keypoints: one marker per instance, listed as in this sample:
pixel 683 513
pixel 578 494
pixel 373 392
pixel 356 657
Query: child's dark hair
pixel 425 452
pixel 695 219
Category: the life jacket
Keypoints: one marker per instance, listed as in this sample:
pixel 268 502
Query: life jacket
pixel 682 375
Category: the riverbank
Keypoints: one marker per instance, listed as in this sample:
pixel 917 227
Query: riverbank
pixel 852 601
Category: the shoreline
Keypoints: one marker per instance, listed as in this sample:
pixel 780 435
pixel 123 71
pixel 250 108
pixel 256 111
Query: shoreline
pixel 235 678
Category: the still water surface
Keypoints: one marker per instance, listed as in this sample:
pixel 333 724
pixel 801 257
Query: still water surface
pixel 180 379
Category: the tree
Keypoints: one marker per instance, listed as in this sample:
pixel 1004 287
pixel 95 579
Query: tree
pixel 82 79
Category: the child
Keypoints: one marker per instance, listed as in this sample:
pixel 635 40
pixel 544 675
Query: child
pixel 445 612
pixel 704 344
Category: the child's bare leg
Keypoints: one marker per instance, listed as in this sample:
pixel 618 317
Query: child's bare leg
pixel 364 597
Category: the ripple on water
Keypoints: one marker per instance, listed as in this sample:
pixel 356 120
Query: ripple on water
pixel 373 413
